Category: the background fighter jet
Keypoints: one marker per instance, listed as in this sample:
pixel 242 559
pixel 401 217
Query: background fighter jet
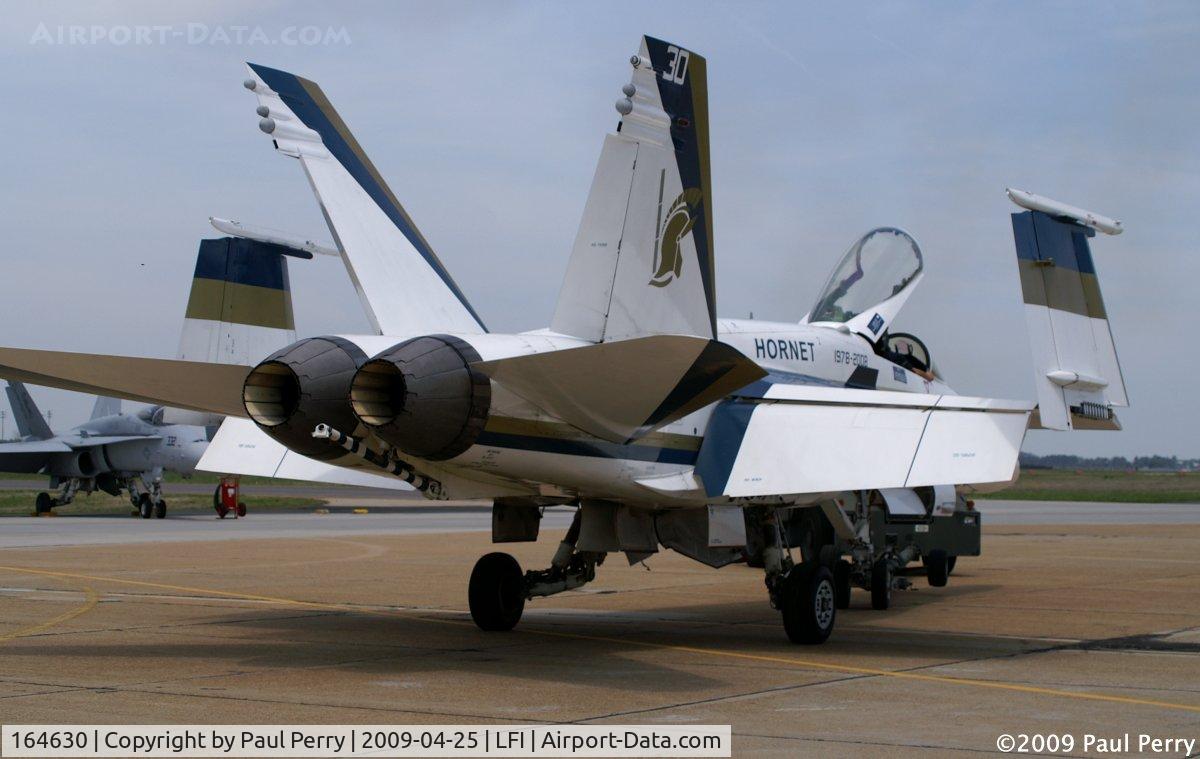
pixel 823 451
pixel 239 310
pixel 112 452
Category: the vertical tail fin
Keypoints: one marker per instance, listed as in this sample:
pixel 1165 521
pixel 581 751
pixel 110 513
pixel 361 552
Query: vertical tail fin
pixel 403 286
pixel 642 262
pixel 1076 369
pixel 105 406
pixel 25 412
pixel 240 306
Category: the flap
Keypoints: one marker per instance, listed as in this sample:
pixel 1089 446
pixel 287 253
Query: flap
pixel 774 449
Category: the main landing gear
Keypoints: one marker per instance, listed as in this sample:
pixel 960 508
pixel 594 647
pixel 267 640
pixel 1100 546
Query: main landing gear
pixel 146 498
pixel 498 589
pixel 45 503
pixel 807 594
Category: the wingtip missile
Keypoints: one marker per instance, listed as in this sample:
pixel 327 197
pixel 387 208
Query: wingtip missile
pixel 1053 207
pixel 302 248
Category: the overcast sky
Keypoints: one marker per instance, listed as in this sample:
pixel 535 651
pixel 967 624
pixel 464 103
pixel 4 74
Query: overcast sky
pixel 487 119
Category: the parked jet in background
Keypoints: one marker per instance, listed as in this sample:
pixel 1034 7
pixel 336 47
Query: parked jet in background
pixel 112 452
pixel 814 449
pixel 238 311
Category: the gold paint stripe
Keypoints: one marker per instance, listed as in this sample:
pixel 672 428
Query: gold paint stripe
pixel 1061 288
pixel 713 652
pixel 217 300
pixel 699 85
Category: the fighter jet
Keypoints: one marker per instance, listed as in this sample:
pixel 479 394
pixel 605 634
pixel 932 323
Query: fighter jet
pixel 112 452
pixel 830 451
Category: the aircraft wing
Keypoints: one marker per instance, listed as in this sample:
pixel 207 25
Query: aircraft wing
pixel 193 385
pixel 53 445
pixel 792 439
pixel 76 442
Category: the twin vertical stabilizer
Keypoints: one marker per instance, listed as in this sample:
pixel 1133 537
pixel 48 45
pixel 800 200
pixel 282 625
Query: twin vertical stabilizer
pixel 642 263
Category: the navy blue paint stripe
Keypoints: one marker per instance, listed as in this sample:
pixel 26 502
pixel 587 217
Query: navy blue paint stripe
pixel 722 441
pixel 590 448
pixel 244 262
pixel 678 102
pixel 760 388
pixel 1041 237
pixel 292 89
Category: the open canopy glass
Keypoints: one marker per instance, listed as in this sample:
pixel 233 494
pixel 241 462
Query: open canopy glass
pixel 883 262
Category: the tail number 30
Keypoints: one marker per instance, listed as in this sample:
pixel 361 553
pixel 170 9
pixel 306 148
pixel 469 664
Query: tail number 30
pixel 676 69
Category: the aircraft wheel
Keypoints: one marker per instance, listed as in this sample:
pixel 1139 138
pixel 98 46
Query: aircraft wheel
pixel 496 593
pixel 936 567
pixel 241 509
pixel 809 604
pixel 145 506
pixel 160 510
pixel 841 584
pixel 881 585
pixel 950 562
pixel 43 503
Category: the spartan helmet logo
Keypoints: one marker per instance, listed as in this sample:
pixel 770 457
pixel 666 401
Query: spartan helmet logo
pixel 680 218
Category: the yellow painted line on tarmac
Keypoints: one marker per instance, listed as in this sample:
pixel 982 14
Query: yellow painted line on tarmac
pixel 91 598
pixel 712 652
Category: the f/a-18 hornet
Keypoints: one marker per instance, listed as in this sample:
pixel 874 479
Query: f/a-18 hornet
pixel 830 452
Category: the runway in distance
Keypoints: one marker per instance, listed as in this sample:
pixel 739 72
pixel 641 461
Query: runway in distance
pixel 830 452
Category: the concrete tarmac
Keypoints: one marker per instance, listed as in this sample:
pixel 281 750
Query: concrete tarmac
pixel 289 618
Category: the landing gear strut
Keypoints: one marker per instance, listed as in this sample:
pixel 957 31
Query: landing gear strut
pixel 147 499
pixel 498 590
pixel 807 594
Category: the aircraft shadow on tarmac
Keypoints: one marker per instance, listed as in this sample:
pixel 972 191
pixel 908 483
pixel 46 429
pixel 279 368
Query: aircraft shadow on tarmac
pixel 552 645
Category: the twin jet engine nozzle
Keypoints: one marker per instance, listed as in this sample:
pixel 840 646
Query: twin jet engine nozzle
pixel 420 396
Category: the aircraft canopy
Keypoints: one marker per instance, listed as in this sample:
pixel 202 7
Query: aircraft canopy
pixel 883 263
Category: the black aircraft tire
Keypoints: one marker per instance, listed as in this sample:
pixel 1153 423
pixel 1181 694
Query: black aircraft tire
pixel 43 503
pixel 881 585
pixel 496 592
pixel 841 584
pixel 160 510
pixel 950 562
pixel 809 608
pixel 936 567
pixel 145 506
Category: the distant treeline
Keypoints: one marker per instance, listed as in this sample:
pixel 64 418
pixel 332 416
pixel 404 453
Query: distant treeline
pixel 1061 461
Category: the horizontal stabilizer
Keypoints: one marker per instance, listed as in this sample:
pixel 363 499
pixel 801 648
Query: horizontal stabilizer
pixel 240 447
pixel 619 391
pixel 194 385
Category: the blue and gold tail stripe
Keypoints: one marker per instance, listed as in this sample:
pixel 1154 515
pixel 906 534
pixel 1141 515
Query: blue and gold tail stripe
pixel 241 282
pixel 1055 264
